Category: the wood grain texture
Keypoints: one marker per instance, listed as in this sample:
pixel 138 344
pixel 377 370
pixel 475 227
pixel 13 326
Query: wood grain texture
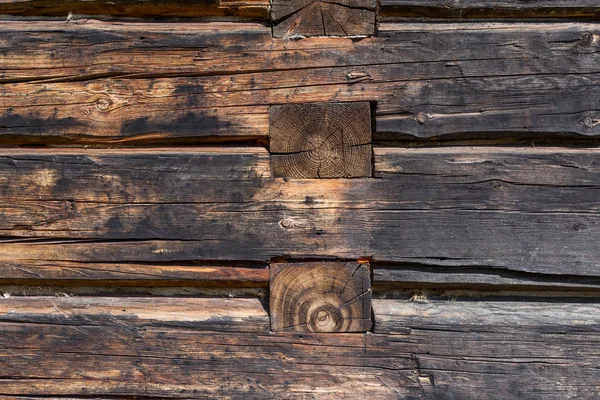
pixel 198 348
pixel 490 9
pixel 302 18
pixel 321 140
pixel 110 82
pixel 178 348
pixel 255 9
pixel 424 277
pixel 39 272
pixel 519 209
pixel 324 297
pixel 496 349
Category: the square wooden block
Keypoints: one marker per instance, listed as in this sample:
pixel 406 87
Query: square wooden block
pixel 323 18
pixel 321 140
pixel 320 297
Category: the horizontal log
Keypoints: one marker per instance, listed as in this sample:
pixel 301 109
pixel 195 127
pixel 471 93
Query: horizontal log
pixel 198 348
pixel 390 9
pixel 216 81
pixel 130 274
pixel 176 348
pixel 255 9
pixel 519 209
pixel 416 276
pixel 138 313
pixel 496 349
pixel 536 317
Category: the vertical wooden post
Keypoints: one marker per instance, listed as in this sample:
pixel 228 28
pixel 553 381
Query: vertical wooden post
pixel 320 297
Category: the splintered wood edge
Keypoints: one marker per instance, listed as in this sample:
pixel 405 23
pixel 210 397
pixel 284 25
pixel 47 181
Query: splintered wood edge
pixel 323 297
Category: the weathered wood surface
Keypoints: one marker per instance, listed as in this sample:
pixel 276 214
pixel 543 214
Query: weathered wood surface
pixel 40 272
pixel 324 297
pixel 179 348
pixel 103 81
pixel 194 348
pixel 521 209
pixel 490 9
pixel 210 314
pixel 302 18
pixel 496 349
pixel 418 276
pixel 339 18
pixel 255 9
pixel 321 140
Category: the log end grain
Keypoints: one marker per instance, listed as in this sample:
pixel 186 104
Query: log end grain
pixel 321 140
pixel 322 297
pixel 299 18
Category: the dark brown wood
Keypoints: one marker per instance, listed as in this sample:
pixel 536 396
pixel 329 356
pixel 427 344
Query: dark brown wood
pixel 486 207
pixel 215 81
pixel 490 9
pixel 320 297
pixel 198 348
pixel 179 348
pixel 495 349
pixel 78 10
pixel 321 140
pixel 137 313
pixel 418 276
pixel 302 18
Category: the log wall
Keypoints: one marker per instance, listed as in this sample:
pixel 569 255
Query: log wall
pixel 299 199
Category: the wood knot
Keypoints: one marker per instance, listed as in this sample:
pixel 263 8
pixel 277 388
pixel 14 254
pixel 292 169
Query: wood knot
pixel 321 140
pixel 421 118
pixel 586 39
pixel 320 297
pixel 590 122
pixel 286 223
pixel 360 76
pixel 103 104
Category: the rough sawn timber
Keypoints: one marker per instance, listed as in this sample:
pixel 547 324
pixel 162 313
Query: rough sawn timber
pixel 194 348
pixel 390 9
pixel 480 349
pixel 40 272
pixel 100 81
pixel 301 18
pixel 521 209
pixel 255 9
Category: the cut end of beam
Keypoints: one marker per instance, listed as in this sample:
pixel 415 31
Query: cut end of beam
pixel 300 18
pixel 321 140
pixel 324 297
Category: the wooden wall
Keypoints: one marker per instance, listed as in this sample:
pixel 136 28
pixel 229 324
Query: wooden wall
pixel 151 196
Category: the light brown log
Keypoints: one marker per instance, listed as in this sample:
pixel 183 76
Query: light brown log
pixel 40 272
pixel 321 140
pixel 198 348
pixel 320 297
